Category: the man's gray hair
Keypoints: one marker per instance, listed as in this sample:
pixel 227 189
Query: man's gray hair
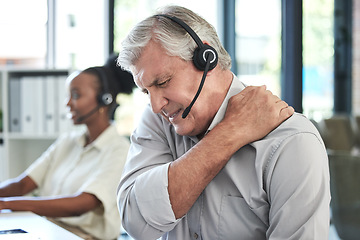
pixel 172 37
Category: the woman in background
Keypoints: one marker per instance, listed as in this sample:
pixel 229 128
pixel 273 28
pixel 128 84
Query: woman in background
pixel 76 177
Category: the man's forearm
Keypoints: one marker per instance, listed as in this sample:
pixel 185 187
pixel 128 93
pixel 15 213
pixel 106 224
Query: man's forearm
pixel 190 174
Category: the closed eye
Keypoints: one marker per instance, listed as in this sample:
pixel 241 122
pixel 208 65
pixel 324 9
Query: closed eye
pixel 157 83
pixel 163 84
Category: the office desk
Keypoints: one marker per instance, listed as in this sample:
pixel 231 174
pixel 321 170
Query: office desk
pixel 38 227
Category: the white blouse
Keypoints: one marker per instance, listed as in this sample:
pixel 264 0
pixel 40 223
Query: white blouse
pixel 68 168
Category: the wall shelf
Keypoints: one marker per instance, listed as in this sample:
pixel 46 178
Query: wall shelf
pixel 33 115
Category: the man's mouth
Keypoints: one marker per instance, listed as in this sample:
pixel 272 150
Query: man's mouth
pixel 174 115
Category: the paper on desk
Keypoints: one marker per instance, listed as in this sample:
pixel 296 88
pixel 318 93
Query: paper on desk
pixel 19 236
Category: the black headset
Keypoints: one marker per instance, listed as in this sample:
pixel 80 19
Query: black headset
pixel 104 98
pixel 205 57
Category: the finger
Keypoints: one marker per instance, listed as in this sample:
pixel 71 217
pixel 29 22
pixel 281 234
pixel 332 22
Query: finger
pixel 281 103
pixel 256 92
pixel 249 89
pixel 286 112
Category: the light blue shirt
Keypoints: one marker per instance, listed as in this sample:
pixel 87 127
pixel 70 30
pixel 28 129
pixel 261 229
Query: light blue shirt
pixel 274 188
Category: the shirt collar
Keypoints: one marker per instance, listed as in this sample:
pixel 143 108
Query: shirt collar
pixel 101 141
pixel 235 87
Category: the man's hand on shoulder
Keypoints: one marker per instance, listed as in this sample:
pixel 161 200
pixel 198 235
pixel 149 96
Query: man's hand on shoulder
pixel 254 112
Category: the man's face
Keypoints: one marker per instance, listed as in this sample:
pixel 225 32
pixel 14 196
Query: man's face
pixel 171 83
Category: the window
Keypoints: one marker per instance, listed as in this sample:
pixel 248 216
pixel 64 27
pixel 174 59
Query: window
pixel 318 58
pixel 23 33
pixel 258 42
pixel 80 33
pixel 53 33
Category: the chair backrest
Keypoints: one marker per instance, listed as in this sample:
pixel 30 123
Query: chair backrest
pixel 340 134
pixel 357 131
pixel 345 191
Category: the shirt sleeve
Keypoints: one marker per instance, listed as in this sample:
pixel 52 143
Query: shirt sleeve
pixel 143 198
pixel 299 190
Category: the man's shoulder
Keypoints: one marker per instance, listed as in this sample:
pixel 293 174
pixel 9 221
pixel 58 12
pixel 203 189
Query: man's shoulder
pixel 295 125
pixel 298 123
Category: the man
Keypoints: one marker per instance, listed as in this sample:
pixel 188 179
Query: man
pixel 226 170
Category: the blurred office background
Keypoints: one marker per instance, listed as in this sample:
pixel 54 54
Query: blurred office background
pixel 305 51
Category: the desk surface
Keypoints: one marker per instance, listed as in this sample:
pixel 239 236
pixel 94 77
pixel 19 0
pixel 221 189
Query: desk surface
pixel 37 227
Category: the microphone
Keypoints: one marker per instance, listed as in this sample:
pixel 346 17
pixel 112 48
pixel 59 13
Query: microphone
pixel 187 110
pixel 85 116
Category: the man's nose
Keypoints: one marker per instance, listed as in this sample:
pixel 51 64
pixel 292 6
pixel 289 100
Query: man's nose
pixel 157 101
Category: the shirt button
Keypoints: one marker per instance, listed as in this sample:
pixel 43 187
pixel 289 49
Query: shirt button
pixel 196 236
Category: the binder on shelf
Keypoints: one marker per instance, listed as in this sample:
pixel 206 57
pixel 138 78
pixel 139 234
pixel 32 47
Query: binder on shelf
pixel 39 105
pixel 50 107
pixel 14 105
pixel 32 110
pixel 2 160
pixel 64 123
pixel 27 105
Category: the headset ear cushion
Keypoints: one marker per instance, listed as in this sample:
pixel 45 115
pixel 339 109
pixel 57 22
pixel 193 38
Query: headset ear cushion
pixel 200 55
pixel 105 99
